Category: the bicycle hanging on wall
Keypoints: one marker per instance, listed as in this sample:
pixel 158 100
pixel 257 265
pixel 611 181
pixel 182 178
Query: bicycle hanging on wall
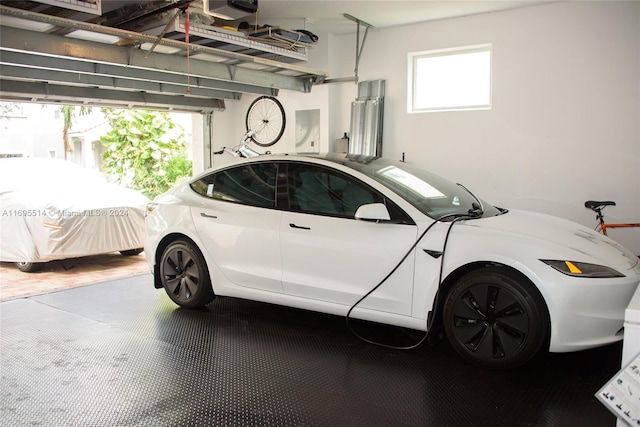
pixel 266 119
pixel 265 123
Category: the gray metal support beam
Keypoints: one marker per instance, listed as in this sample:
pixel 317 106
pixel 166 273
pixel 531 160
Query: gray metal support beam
pixel 135 60
pixel 10 72
pixel 45 92
pixel 138 78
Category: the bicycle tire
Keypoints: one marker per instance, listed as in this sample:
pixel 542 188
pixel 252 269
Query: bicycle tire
pixel 267 118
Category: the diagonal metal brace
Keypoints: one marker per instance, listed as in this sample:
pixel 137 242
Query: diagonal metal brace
pixel 359 46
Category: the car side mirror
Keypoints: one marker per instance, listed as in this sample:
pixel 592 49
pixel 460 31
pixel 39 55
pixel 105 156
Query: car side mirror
pixel 373 212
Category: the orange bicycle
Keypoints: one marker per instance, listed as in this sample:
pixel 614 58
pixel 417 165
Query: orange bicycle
pixel 602 227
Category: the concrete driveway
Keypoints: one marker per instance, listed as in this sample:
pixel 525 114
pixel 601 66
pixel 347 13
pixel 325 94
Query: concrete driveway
pixel 69 273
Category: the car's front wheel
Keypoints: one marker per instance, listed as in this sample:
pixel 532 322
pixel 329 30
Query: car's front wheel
pixel 184 275
pixel 29 267
pixel 495 319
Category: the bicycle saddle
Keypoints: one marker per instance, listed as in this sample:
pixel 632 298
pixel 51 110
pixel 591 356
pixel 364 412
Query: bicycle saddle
pixel 592 204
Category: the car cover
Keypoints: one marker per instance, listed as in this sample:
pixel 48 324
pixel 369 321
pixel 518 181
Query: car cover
pixel 54 210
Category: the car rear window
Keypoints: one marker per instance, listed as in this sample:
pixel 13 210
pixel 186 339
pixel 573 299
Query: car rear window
pixel 251 184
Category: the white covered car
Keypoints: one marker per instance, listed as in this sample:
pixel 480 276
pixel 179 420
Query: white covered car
pixel 53 209
pixel 320 233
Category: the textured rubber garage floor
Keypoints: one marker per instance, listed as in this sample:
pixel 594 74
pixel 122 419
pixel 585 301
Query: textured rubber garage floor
pixel 121 354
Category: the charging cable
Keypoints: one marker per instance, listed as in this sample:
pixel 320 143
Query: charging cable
pixel 456 218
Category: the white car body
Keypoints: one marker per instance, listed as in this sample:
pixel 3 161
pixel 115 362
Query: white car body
pixel 326 264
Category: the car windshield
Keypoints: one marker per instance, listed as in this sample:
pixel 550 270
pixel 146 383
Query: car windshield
pixel 431 194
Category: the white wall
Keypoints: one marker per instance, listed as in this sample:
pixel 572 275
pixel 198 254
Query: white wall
pixel 564 126
pixel 566 107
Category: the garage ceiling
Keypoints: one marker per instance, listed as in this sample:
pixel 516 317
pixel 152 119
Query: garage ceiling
pixel 135 54
pixel 326 16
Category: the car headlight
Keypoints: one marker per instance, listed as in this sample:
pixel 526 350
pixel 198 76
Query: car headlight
pixel 582 269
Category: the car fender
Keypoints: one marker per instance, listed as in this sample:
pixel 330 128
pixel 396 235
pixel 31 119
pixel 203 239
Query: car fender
pixel 462 253
pixel 472 247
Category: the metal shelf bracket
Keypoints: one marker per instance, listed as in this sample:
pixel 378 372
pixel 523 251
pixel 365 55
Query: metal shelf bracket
pixel 359 48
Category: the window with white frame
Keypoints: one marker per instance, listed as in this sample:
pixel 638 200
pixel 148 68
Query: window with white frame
pixel 450 79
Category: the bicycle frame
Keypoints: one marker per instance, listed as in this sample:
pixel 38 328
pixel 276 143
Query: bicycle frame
pixel 602 228
pixel 243 149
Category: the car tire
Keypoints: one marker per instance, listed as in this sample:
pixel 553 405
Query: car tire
pixel 131 252
pixel 184 275
pixel 495 319
pixel 29 267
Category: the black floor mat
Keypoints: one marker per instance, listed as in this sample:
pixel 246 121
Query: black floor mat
pixel 122 354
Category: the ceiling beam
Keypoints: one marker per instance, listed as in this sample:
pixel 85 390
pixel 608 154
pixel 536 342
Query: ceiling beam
pixel 137 63
pixel 134 76
pixel 51 93
pixel 21 73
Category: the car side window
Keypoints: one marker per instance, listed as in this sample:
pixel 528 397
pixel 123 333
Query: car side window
pixel 252 184
pixel 318 190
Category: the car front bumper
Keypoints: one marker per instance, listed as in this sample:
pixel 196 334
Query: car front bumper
pixel 588 313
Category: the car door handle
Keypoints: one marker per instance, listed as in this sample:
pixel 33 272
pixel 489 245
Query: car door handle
pixel 208 216
pixel 299 227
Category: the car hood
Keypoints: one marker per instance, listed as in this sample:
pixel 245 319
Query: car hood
pixel 557 235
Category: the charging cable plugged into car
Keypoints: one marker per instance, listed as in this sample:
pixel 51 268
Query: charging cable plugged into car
pixel 475 212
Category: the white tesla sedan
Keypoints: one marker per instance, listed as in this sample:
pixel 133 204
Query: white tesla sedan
pixel 383 242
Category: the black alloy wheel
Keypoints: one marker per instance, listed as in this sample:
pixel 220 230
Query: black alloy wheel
pixel 495 319
pixel 184 275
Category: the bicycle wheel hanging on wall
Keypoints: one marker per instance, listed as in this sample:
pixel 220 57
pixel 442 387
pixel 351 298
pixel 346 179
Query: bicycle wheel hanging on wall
pixel 265 120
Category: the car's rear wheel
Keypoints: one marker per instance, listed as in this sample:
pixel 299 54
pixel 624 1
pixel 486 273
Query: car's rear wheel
pixel 131 252
pixel 29 267
pixel 495 319
pixel 184 275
